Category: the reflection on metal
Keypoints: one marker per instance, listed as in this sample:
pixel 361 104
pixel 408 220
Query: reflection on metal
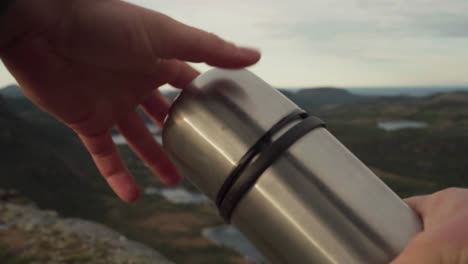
pixel 317 203
pixel 296 225
pixel 207 139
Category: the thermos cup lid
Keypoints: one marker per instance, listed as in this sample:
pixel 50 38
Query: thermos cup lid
pixel 217 123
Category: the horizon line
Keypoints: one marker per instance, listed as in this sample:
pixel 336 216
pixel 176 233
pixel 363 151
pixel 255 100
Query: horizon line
pixel 409 86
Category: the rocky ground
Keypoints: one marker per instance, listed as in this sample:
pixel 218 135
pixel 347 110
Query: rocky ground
pixel 33 236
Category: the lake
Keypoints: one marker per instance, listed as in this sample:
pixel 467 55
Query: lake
pixel 156 131
pixel 224 235
pixel 229 236
pixel 178 195
pixel 401 124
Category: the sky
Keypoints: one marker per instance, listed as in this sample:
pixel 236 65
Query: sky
pixel 344 43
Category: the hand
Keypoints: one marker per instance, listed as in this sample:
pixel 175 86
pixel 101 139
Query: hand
pixel 91 63
pixel 444 239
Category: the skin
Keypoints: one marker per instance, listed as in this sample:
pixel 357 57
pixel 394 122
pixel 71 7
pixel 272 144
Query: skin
pixel 444 239
pixel 91 63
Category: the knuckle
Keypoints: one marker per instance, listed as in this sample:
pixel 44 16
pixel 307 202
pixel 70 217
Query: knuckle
pixel 451 191
pixel 217 41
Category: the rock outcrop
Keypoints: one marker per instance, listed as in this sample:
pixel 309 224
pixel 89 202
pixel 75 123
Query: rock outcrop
pixel 43 237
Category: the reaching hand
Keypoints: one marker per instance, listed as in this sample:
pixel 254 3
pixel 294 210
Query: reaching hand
pixel 444 239
pixel 91 63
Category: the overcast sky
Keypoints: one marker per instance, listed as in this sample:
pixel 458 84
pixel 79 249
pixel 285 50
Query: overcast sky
pixel 338 42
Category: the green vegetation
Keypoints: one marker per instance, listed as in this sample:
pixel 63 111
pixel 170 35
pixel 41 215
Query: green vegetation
pixel 6 257
pixel 435 154
pixel 174 230
pixel 430 154
pixel 52 168
pixel 45 161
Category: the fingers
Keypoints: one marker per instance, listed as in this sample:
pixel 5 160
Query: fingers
pixel 176 73
pixel 172 39
pixel 156 108
pixel 418 203
pixel 185 75
pixel 110 165
pixel 179 75
pixel 142 142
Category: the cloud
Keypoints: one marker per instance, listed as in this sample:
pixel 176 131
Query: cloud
pixel 373 31
pixel 339 42
pixel 441 25
pixel 365 17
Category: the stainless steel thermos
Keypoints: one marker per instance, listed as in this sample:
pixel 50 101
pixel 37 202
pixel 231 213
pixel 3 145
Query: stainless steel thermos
pixel 278 175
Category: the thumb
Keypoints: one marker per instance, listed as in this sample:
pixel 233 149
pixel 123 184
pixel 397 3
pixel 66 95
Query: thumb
pixel 418 204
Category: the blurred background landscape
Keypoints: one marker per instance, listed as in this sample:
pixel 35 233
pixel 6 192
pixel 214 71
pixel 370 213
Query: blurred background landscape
pixel 415 140
pixel 389 77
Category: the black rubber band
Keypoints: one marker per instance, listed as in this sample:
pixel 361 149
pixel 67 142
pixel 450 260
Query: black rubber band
pixel 267 157
pixel 261 143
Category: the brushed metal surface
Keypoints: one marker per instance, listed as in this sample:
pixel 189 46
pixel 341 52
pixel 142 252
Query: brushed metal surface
pixel 320 204
pixel 316 204
pixel 215 121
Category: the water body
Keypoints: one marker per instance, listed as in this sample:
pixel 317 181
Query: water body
pixel 224 235
pixel 178 195
pixel 401 124
pixel 229 236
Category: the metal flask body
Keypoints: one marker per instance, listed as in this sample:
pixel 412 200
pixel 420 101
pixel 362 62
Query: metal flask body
pixel 315 203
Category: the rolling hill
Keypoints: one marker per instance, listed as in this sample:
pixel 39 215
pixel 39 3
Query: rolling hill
pixel 11 91
pixel 46 162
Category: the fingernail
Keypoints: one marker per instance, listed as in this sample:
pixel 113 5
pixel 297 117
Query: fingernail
pixel 125 187
pixel 249 53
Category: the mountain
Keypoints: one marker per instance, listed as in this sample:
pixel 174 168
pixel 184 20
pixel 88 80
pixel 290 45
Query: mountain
pixel 5 112
pixel 46 161
pixel 312 98
pixel 413 91
pixel 11 91
pixel 453 98
pixel 309 98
